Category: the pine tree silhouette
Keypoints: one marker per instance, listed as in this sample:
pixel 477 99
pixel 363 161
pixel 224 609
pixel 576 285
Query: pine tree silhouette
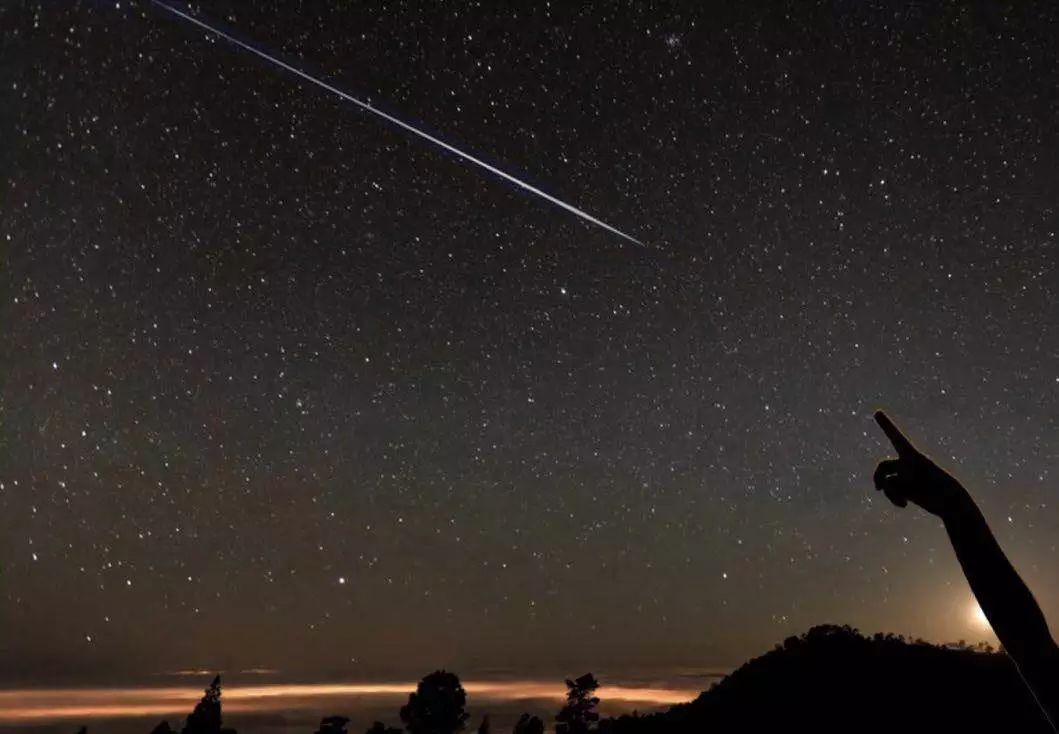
pixel 206 718
pixel 578 716
pixel 437 706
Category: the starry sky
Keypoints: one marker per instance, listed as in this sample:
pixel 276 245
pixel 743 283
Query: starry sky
pixel 284 387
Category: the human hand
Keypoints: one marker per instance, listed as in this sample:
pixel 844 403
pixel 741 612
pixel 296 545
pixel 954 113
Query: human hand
pixel 913 476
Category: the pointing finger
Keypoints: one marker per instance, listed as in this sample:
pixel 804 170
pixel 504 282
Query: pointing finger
pixel 901 444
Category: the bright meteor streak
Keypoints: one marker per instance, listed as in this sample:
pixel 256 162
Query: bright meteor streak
pixel 396 121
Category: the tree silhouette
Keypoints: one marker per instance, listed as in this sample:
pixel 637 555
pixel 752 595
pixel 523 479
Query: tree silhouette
pixel 380 728
pixel 333 725
pixel 527 724
pixel 484 727
pixel 206 718
pixel 437 706
pixel 578 716
pixel 162 728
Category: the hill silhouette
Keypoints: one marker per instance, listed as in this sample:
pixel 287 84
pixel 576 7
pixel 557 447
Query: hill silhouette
pixel 833 679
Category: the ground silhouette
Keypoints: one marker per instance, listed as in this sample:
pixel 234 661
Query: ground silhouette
pixel 834 680
pixel 333 725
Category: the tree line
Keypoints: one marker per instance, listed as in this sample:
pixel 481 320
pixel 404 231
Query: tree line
pixel 437 706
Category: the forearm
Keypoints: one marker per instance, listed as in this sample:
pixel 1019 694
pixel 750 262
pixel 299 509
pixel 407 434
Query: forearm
pixel 1007 602
pixel 1013 613
pixel 1011 609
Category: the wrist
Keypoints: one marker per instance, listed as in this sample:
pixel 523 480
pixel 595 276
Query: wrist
pixel 959 506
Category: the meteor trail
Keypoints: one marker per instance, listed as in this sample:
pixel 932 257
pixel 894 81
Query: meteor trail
pixel 396 121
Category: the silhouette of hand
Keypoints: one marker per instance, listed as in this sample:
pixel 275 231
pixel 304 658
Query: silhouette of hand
pixel 913 476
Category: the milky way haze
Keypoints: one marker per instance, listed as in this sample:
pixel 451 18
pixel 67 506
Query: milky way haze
pixel 282 386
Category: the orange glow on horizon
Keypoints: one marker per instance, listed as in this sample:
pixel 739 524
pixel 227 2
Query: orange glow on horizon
pixel 53 704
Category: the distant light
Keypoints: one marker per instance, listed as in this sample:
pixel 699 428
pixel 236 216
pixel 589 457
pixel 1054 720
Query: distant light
pixel 978 618
pixel 342 579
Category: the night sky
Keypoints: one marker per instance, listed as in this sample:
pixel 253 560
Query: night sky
pixel 283 386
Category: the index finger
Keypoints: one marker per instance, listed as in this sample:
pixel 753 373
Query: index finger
pixel 903 446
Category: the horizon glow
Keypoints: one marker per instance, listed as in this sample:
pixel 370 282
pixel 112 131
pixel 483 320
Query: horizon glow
pixel 56 704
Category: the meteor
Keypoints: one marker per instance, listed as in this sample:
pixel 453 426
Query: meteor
pixel 367 107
